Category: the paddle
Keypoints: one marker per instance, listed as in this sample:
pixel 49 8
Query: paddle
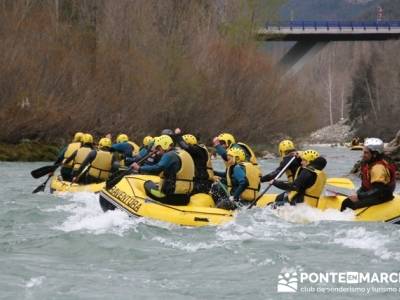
pixel 344 183
pixel 80 174
pixel 40 172
pixel 121 174
pixel 269 186
pixel 41 187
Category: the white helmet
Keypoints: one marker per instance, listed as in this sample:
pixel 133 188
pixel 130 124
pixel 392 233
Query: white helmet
pixel 374 144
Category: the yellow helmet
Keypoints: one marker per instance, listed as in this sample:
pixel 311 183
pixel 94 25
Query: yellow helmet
pixel 227 138
pixel 285 146
pixel 87 138
pixel 78 137
pixel 309 155
pixel 190 139
pixel 164 141
pixel 121 138
pixel 147 140
pixel 105 143
pixel 237 153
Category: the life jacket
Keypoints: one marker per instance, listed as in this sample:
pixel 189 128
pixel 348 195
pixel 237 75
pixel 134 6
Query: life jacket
pixel 366 174
pixel 289 171
pixel 253 175
pixel 135 148
pixel 312 194
pixel 71 148
pixel 80 157
pixel 101 166
pixel 210 170
pixel 182 181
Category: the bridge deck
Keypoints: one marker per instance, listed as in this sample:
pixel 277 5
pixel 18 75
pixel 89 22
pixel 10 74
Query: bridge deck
pixel 330 31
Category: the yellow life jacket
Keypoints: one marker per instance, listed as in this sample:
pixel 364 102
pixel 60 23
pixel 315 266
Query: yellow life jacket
pixel 184 177
pixel 312 194
pixel 210 169
pixel 71 148
pixel 135 148
pixel 101 165
pixel 253 175
pixel 80 157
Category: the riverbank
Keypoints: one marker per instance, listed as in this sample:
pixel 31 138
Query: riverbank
pixel 28 151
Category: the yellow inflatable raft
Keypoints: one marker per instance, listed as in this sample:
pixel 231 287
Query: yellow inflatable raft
pixel 58 185
pixel 130 196
pixel 357 147
pixel 385 212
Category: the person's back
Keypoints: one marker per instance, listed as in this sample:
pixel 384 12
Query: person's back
pixel 201 158
pixel 176 169
pixel 66 168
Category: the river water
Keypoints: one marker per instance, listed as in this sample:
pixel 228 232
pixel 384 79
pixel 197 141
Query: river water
pixel 65 247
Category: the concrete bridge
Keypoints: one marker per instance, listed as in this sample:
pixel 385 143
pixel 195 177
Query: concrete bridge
pixel 312 36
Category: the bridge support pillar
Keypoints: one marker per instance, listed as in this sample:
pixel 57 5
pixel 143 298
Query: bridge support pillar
pixel 301 53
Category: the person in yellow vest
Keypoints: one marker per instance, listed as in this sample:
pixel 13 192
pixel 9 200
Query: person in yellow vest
pixel 125 148
pixel 243 181
pixel 204 173
pixel 100 164
pixel 308 184
pixel 66 169
pixel 177 171
pixel 79 155
pixel 287 150
pixel 225 141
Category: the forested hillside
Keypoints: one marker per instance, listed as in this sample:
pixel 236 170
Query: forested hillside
pixel 140 66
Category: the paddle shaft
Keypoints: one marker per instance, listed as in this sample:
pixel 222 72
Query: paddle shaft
pixel 269 186
pixel 111 182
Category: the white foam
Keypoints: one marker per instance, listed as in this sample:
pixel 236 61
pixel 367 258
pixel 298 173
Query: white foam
pixel 303 214
pixel 360 238
pixel 86 214
pixel 189 247
pixel 35 281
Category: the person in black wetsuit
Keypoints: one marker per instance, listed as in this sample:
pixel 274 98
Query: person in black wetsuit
pixel 287 150
pixel 202 161
pixel 308 183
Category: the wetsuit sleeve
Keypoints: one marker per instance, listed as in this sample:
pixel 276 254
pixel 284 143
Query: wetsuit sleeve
pixel 220 174
pixel 304 180
pixel 114 164
pixel 89 158
pixel 60 156
pixel 274 173
pixel 221 152
pixel 239 175
pixel 379 191
pixel 181 143
pixel 164 163
pixel 71 157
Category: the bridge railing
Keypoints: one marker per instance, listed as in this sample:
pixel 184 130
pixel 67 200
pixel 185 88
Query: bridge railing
pixel 296 25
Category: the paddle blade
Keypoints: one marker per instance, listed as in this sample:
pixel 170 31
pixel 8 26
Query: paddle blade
pixel 40 172
pixel 341 182
pixel 40 188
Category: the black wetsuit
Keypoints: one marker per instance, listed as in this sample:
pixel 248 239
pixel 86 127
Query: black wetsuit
pixel 304 180
pixel 294 165
pixel 202 184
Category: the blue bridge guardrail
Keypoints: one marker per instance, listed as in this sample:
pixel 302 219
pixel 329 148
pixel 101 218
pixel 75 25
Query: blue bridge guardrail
pixel 332 24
